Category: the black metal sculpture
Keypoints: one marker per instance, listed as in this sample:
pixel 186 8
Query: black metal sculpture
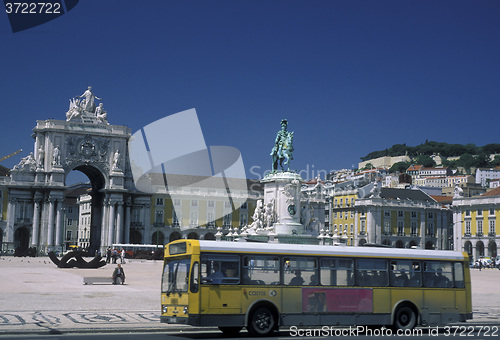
pixel 67 261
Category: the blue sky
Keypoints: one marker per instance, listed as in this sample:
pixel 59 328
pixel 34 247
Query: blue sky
pixel 351 76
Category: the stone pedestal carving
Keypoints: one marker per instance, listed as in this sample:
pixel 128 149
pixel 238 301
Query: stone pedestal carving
pixel 283 190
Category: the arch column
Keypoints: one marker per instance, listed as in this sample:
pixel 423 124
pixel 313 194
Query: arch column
pixel 105 209
pixel 36 222
pixel 111 222
pixel 126 238
pixel 50 227
pixel 59 228
pixel 119 222
pixel 11 215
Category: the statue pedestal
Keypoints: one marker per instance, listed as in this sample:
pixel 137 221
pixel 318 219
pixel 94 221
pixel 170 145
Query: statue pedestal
pixel 283 190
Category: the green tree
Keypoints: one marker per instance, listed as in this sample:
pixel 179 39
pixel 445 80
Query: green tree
pixel 399 167
pixel 425 160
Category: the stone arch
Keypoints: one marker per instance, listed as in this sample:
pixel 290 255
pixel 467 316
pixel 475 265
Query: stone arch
pixel 22 238
pixel 387 242
pixel 492 249
pixel 193 236
pixel 209 236
pixel 158 238
pixel 479 249
pixel 175 236
pixel 400 244
pixel 135 237
pixel 429 245
pixel 98 180
pixel 362 242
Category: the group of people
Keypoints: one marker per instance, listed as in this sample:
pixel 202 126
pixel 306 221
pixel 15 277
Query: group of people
pixel 114 255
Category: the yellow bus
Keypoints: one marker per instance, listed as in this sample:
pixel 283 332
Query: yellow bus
pixel 263 286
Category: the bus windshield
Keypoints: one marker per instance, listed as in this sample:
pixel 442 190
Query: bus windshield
pixel 175 276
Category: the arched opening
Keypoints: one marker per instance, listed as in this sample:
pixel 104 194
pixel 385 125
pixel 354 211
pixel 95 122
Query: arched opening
pixel 386 242
pixel 479 249
pixel 83 206
pixel 209 236
pixel 135 237
pixel 492 249
pixel 21 239
pixel 429 245
pixel 400 244
pixel 468 249
pixel 413 244
pixel 175 236
pixel 193 236
pixel 158 238
pixel 362 242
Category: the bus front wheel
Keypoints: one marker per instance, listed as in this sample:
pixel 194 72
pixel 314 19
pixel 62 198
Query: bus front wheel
pixel 262 322
pixel 405 318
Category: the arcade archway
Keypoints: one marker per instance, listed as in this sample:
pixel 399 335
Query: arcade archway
pixel 88 230
pixel 209 236
pixel 22 238
pixel 193 236
pixel 492 249
pixel 158 238
pixel 479 249
pixel 175 236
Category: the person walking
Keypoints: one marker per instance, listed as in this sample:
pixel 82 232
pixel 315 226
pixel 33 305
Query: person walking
pixel 108 255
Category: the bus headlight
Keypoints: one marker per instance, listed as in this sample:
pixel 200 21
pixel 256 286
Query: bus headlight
pixel 185 310
pixel 164 309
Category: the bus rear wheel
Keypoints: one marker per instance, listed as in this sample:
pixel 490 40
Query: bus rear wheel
pixel 230 331
pixel 405 318
pixel 262 322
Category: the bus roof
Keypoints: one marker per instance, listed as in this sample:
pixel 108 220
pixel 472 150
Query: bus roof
pixel 307 249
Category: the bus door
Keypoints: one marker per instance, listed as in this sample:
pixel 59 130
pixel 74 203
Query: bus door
pixel 220 278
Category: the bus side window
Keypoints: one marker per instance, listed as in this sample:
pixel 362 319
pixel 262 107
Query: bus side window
pixel 405 274
pixel 337 272
pixel 261 270
pixel 438 274
pixel 300 271
pixel 220 269
pixel 371 272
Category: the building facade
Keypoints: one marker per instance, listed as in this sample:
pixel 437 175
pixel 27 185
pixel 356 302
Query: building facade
pixel 476 221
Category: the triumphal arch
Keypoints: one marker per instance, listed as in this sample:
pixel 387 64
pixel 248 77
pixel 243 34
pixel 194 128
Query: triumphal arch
pixel 86 142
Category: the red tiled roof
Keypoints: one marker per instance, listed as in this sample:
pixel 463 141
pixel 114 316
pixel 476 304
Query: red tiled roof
pixel 414 168
pixel 494 192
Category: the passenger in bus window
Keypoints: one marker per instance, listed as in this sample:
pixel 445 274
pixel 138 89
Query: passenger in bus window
pixel 297 280
pixel 404 279
pixel 216 276
pixel 440 280
pixel 313 280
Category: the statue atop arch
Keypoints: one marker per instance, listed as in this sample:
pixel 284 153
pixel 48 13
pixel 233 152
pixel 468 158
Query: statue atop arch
pixel 283 147
pixel 83 107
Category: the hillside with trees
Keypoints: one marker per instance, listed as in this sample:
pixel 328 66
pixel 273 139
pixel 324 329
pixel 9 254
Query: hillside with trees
pixel 470 155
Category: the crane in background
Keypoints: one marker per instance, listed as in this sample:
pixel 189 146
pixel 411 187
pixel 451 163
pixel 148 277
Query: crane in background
pixel 12 154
